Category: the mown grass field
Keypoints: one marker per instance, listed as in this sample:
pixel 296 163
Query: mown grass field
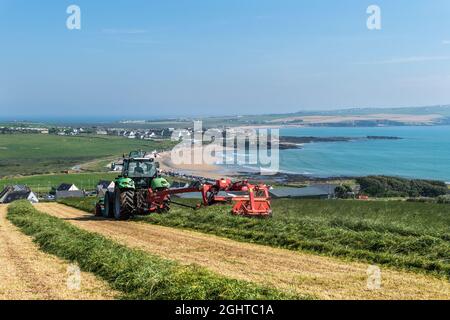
pixel 28 154
pixel 44 183
pixel 136 274
pixel 414 236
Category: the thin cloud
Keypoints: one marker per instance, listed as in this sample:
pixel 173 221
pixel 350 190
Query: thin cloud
pixel 139 41
pixel 124 31
pixel 445 42
pixel 408 60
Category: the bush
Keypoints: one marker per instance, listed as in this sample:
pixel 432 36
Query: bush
pixel 443 199
pixel 343 191
pixel 440 200
pixel 383 186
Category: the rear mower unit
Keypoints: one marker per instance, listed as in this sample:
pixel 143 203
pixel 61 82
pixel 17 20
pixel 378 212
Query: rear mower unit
pixel 139 190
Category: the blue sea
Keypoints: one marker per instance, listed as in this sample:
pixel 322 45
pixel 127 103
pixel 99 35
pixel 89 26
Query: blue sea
pixel 423 152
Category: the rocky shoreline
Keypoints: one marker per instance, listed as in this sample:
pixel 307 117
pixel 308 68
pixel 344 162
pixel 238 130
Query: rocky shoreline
pixel 288 142
pixel 287 178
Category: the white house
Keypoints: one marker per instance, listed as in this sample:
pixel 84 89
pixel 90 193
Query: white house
pixel 104 186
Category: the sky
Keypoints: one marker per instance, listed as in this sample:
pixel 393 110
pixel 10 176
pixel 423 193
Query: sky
pixel 156 58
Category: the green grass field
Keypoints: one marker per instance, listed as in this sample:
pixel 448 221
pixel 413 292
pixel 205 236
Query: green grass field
pixel 28 154
pixel 413 236
pixel 44 183
pixel 136 274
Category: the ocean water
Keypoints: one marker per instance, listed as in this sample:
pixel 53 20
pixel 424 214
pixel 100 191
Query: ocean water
pixel 423 152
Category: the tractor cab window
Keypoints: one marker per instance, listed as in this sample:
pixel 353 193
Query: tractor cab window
pixel 137 169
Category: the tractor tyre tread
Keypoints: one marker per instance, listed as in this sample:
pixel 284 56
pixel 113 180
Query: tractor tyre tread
pixel 127 206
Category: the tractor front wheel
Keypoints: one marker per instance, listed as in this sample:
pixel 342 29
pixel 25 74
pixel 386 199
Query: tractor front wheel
pixel 108 205
pixel 124 205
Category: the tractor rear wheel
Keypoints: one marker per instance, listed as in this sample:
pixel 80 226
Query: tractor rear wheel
pixel 108 205
pixel 141 202
pixel 124 205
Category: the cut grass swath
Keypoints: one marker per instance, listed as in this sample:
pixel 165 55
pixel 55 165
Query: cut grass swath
pixel 414 236
pixel 135 273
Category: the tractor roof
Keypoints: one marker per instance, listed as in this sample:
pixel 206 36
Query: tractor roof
pixel 142 159
pixel 137 154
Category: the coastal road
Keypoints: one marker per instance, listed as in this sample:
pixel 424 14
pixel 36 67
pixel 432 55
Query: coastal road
pixel 322 277
pixel 27 273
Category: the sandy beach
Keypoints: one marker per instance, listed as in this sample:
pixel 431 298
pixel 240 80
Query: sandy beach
pixel 205 170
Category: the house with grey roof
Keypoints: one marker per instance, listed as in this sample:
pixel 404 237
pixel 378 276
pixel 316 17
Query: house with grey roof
pixel 4 193
pixel 67 187
pixel 17 192
pixel 21 195
pixel 67 190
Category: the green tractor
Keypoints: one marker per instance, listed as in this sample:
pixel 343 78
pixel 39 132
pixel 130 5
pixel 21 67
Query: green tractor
pixel 138 179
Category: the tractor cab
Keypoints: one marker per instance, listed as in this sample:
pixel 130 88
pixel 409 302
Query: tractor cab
pixel 141 170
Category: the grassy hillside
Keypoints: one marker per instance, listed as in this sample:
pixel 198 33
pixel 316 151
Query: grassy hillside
pixel 407 235
pixel 261 119
pixel 136 274
pixel 28 154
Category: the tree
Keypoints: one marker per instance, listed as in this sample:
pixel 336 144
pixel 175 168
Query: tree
pixel 383 186
pixel 343 191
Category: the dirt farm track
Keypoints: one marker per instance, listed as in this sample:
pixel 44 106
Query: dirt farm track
pixel 322 277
